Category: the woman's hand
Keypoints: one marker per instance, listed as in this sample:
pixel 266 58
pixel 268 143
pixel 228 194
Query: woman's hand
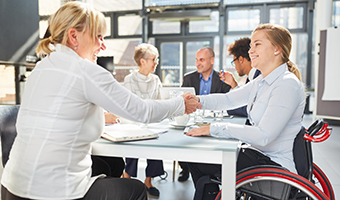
pixel 228 78
pixel 205 130
pixel 111 118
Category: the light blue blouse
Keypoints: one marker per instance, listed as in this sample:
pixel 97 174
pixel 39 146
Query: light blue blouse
pixel 275 106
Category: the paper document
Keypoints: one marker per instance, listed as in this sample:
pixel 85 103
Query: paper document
pixel 127 132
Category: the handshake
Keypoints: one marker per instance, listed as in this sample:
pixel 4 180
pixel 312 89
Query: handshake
pixel 191 103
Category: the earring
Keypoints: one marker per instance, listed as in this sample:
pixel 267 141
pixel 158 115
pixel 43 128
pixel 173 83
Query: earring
pixel 275 53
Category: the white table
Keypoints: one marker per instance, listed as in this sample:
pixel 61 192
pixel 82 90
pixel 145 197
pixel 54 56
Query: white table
pixel 174 145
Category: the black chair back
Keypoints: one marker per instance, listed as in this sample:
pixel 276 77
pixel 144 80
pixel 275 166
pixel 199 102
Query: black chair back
pixel 300 153
pixel 8 132
pixel 302 149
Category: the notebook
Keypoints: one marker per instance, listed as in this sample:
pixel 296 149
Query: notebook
pixel 165 91
pixel 127 132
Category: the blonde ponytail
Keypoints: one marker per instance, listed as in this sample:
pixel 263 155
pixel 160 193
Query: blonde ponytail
pixel 43 48
pixel 292 68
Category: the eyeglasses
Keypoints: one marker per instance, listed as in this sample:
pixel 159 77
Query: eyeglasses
pixel 156 60
pixel 233 62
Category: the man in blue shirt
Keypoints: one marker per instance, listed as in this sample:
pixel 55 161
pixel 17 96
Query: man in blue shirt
pixel 205 81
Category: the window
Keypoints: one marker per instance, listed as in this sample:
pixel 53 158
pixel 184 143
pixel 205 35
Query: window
pixel 115 5
pixel 7 85
pixel 336 14
pixel 48 7
pixel 129 24
pixel 211 25
pixel 251 1
pixel 108 26
pixel 43 24
pixel 122 50
pixel 291 18
pixel 178 2
pixel 243 19
pixel 171 69
pixel 163 27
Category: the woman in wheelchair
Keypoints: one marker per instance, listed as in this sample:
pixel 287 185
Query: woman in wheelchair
pixel 275 104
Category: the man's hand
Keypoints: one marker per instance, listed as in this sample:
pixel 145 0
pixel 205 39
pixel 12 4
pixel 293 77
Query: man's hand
pixel 191 103
pixel 228 78
pixel 111 118
pixel 204 130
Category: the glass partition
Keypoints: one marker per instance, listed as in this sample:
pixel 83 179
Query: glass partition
pixel 229 2
pixel 291 18
pixel 201 26
pixel 151 3
pixel 122 50
pixel 114 5
pixel 129 25
pixel 43 24
pixel 336 14
pixel 166 27
pixel 7 85
pixel 171 70
pixel 243 19
pixel 108 26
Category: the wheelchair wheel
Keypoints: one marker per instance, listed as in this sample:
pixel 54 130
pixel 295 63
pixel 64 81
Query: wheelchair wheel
pixel 274 183
pixel 323 181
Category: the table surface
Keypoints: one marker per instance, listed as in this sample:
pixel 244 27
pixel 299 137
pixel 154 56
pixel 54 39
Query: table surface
pixel 175 145
pixel 173 139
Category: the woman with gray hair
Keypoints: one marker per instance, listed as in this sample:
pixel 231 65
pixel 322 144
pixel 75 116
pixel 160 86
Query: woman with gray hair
pixel 147 86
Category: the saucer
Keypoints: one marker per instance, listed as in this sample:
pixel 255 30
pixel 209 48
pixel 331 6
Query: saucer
pixel 181 126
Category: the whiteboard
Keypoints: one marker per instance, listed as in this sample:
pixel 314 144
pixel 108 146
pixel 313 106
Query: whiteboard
pixel 332 66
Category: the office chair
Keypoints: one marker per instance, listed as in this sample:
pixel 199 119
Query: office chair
pixel 8 118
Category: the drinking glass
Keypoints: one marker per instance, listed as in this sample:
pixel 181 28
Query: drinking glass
pixel 218 115
pixel 199 116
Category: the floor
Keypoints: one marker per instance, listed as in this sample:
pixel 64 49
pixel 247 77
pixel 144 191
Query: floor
pixel 325 156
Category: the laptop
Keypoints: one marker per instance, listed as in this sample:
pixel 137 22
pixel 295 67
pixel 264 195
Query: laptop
pixel 166 91
pixel 127 132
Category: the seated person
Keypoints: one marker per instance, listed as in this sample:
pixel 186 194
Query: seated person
pixel 241 61
pixel 61 114
pixel 147 86
pixel 205 80
pixel 275 102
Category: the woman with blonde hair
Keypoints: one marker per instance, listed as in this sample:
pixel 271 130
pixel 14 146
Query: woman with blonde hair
pixel 275 103
pixel 61 114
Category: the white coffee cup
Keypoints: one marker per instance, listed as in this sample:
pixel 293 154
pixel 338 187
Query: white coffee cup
pixel 182 120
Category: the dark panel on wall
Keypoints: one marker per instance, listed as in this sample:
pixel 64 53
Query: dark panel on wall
pixel 19 29
pixel 106 62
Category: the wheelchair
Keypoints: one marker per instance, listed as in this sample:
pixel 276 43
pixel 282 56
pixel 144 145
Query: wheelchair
pixel 274 183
